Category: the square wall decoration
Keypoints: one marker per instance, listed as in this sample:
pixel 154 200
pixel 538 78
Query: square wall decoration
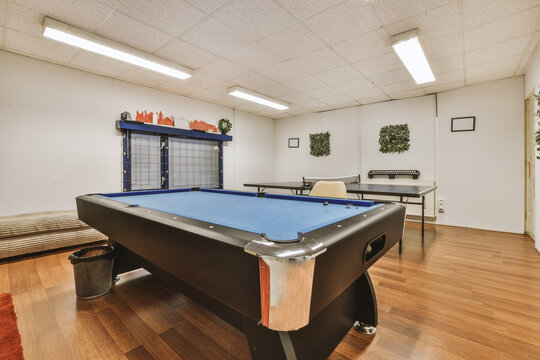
pixel 319 144
pixel 294 142
pixel 394 138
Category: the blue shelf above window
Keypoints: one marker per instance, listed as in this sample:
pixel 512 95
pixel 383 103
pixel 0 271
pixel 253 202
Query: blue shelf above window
pixel 171 131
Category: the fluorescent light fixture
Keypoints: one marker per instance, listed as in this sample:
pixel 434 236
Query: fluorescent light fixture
pixel 70 35
pixel 407 46
pixel 257 98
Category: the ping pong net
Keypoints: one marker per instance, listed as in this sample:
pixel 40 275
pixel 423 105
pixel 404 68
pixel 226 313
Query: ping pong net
pixel 311 180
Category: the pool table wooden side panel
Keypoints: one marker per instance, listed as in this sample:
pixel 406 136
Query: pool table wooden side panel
pixel 218 269
pixel 343 262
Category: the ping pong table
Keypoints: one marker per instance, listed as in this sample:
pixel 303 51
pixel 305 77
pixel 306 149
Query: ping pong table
pixel 404 192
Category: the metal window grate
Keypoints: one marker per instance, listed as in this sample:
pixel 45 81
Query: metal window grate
pixel 145 162
pixel 193 163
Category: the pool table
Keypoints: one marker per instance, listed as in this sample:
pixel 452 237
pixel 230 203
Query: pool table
pixel 289 271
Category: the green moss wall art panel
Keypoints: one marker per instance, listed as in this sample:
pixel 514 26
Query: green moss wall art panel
pixel 394 138
pixel 319 144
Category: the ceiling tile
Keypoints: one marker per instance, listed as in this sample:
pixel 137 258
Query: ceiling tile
pixel 495 67
pixel 444 65
pixel 369 93
pixel 254 57
pixel 112 4
pixel 282 115
pixel 304 9
pixel 443 48
pixel 391 11
pixel 344 21
pixel 503 29
pixel 525 59
pixel 299 97
pixel 230 101
pixel 177 86
pixel 319 60
pixel 535 40
pixel 254 81
pixel 122 28
pixel 379 64
pixel 391 77
pixel 310 104
pixel 407 94
pixel 443 87
pixel 433 25
pixel 25 20
pixel 277 90
pixel 83 14
pixel 98 64
pixel 208 6
pixel 282 72
pixel 207 95
pixel 305 83
pixel 254 19
pixel 497 51
pixel 399 87
pixel 365 46
pixel 202 80
pixel 490 77
pixel 142 76
pixel 448 77
pixel 375 99
pixel 292 42
pixel 339 100
pixel 479 12
pixel 185 54
pixel 224 69
pixel 338 75
pixel 38 47
pixel 171 17
pixel 322 92
pixel 215 37
pixel 354 85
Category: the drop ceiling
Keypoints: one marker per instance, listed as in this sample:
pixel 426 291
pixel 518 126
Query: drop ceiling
pixel 316 55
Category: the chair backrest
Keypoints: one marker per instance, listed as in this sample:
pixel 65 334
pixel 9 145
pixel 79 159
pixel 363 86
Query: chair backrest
pixel 333 189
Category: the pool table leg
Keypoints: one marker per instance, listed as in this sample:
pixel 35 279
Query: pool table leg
pixel 319 338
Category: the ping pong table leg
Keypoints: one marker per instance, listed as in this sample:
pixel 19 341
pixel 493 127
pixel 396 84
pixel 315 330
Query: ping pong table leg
pixel 423 208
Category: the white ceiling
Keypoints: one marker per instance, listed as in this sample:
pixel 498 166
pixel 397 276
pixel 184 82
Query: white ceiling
pixel 314 54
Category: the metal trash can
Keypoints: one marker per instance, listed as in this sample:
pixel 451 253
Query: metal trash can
pixel 92 268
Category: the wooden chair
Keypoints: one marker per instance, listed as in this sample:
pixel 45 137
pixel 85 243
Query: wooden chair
pixel 331 189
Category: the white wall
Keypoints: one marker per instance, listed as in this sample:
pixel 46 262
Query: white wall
pixel 532 84
pixel 419 114
pixel 58 140
pixel 481 173
pixel 293 163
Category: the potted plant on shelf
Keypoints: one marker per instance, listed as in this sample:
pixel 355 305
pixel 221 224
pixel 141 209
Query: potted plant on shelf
pixel 224 126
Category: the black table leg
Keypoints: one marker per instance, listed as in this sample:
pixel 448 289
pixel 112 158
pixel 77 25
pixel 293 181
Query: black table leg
pixel 423 208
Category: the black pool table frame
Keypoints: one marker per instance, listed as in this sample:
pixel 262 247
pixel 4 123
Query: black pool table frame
pixel 217 266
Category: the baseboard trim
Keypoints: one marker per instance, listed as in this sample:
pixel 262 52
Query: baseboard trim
pixel 418 218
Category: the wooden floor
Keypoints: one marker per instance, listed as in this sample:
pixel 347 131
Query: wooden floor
pixel 464 294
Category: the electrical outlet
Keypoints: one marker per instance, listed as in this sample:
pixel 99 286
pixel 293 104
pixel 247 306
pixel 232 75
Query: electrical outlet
pixel 441 205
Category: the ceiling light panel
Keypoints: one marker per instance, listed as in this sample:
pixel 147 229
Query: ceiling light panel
pixel 408 48
pixel 70 35
pixel 257 98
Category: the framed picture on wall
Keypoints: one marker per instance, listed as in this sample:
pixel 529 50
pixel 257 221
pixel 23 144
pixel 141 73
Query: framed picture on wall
pixel 467 123
pixel 294 142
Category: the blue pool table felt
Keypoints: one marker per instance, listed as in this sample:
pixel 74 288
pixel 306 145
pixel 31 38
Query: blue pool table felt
pixel 279 219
